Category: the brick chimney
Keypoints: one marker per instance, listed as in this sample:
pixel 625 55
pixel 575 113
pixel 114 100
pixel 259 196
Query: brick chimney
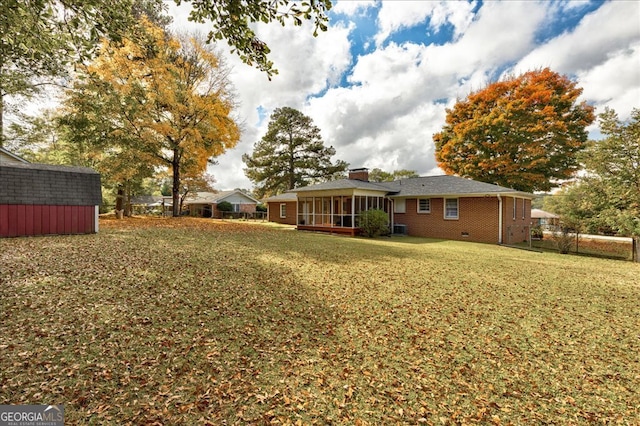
pixel 359 174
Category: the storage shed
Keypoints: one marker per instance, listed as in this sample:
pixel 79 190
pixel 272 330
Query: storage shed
pixel 43 199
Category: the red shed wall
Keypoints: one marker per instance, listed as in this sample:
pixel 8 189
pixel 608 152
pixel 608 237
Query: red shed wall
pixel 28 220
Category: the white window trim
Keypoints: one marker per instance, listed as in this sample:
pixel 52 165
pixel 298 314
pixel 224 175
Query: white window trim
pixel 418 206
pixel 400 206
pixel 444 208
pixel 283 216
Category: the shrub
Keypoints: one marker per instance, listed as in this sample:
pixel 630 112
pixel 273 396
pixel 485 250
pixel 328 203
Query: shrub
pixel 374 222
pixel 225 206
pixel 563 240
pixel 536 232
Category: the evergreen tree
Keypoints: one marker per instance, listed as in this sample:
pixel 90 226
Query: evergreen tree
pixel 290 155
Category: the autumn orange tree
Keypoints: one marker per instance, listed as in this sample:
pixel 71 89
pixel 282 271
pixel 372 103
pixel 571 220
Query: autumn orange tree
pixel 159 101
pixel 523 132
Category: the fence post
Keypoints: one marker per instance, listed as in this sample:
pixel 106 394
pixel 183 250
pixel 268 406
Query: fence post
pixel 635 249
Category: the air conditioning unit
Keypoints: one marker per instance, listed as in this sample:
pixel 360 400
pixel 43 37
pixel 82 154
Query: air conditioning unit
pixel 400 229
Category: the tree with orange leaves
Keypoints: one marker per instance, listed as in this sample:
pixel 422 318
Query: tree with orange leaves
pixel 161 100
pixel 522 132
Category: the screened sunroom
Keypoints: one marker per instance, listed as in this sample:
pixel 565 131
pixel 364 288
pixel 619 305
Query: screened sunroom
pixel 337 213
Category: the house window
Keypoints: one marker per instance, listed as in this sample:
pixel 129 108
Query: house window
pixel 400 206
pixel 424 205
pixel 283 210
pixel 451 208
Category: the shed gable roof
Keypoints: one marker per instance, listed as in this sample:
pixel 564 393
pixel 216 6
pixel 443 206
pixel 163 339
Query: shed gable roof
pixel 10 157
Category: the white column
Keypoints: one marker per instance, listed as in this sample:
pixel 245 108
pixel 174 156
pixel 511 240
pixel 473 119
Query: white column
pixel 353 210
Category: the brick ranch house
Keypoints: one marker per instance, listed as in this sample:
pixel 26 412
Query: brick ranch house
pixel 445 207
pixel 205 204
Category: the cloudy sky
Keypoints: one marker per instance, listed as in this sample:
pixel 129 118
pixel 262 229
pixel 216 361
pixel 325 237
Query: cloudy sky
pixel 377 83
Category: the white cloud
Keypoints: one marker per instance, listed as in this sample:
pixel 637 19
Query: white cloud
pixel 599 35
pixel 353 7
pixel 615 83
pixel 397 15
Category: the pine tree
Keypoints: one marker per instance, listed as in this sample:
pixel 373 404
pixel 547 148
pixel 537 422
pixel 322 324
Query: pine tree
pixel 291 154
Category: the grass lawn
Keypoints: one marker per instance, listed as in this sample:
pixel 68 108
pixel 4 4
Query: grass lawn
pixel 195 321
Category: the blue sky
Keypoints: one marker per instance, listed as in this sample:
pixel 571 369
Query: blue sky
pixel 377 83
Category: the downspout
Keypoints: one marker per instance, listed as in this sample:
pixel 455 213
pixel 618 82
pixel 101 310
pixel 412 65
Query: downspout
pixel 391 209
pixel 499 219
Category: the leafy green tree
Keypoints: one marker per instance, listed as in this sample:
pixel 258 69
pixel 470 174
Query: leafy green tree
pixel 607 197
pixel 613 164
pixel 523 132
pixel 575 205
pixel 378 175
pixel 290 155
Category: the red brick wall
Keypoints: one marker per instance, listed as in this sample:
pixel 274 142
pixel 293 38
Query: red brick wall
pixel 244 208
pixel 477 220
pixel 516 230
pixel 274 213
pixel 359 174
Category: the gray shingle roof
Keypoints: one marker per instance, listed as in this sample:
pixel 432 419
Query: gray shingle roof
pixel 286 196
pixel 447 185
pixel 214 197
pixel 427 186
pixel 343 184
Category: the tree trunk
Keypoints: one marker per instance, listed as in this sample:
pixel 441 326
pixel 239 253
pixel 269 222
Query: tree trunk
pixel 292 170
pixel 120 202
pixel 175 190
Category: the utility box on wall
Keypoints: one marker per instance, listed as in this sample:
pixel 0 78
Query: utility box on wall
pixel 43 199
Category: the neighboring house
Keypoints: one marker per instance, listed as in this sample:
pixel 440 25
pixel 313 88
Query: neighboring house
pixel 546 220
pixel 42 199
pixel 282 208
pixel 446 207
pixel 204 204
pixel 151 204
pixel 7 157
